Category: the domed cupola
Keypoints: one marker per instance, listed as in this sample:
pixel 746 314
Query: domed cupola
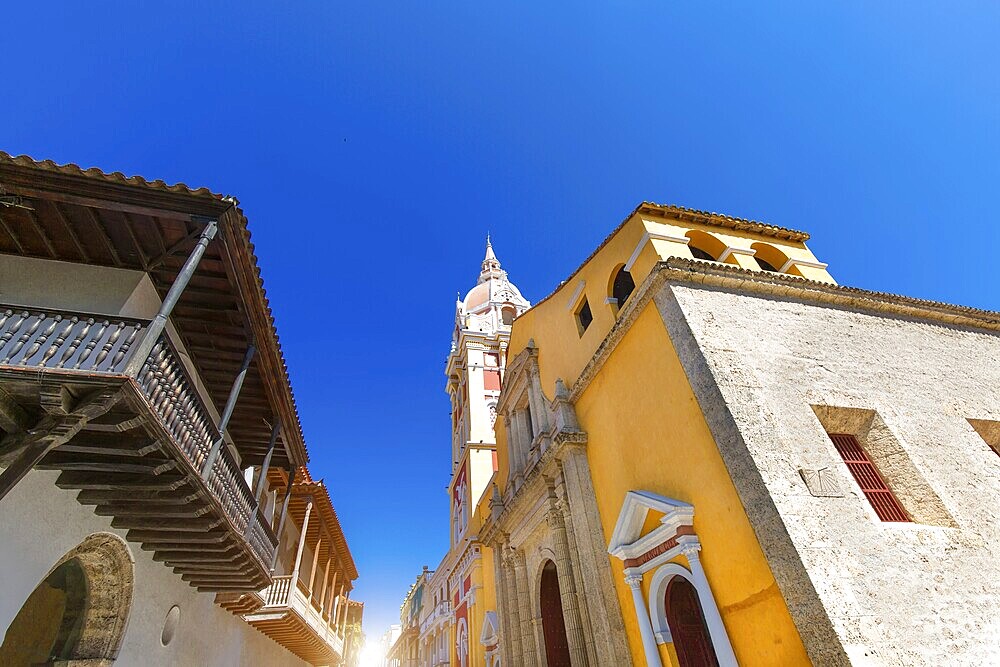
pixel 494 302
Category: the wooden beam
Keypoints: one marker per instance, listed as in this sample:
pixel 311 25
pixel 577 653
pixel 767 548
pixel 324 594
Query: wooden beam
pixel 119 204
pixel 56 460
pixel 12 235
pixel 109 450
pixel 13 418
pixel 199 525
pixel 173 497
pixel 28 448
pixel 102 234
pixel 36 225
pixel 119 481
pixel 156 537
pixel 151 510
pixel 135 241
pixel 84 256
pixel 183 244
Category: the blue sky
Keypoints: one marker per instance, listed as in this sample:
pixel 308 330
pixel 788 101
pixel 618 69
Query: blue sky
pixel 373 145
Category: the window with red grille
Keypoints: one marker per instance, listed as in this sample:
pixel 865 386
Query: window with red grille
pixel 878 493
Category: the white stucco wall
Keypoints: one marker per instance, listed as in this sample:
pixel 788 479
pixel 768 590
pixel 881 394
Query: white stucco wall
pixel 41 522
pixel 26 281
pixel 895 593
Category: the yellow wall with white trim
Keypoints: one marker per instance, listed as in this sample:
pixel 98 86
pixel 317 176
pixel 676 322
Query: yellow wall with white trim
pixel 646 431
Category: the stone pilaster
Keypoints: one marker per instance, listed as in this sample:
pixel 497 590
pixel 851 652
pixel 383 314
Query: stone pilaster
pixel 578 572
pixel 510 616
pixel 567 587
pixel 530 651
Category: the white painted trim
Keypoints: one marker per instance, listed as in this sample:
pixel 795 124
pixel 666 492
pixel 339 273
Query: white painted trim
pixel 802 262
pixel 731 250
pixel 611 301
pixel 626 541
pixel 710 611
pixel 573 300
pixel 634 581
pixel 652 235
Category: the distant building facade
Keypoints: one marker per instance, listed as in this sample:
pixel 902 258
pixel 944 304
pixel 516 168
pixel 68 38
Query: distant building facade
pixel 710 453
pixel 154 494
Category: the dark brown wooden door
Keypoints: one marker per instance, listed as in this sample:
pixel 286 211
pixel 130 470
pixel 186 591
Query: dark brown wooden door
pixel 687 626
pixel 553 626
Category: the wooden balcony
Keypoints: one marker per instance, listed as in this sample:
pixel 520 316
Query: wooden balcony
pixel 134 443
pixel 293 618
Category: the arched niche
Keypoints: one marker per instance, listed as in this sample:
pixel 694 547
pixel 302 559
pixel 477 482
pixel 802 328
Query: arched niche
pixel 78 613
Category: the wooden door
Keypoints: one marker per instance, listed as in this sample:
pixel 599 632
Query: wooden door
pixel 687 625
pixel 553 625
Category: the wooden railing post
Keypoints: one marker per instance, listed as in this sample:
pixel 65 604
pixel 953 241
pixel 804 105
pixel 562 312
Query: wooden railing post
pixel 284 515
pixel 302 544
pixel 159 323
pixel 266 465
pixel 322 590
pixel 315 564
pixel 227 413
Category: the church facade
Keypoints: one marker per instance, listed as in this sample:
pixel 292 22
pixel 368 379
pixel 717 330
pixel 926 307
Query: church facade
pixel 710 453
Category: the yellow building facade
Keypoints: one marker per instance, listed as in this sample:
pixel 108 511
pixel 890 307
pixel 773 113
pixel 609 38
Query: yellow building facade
pixel 709 453
pixel 631 422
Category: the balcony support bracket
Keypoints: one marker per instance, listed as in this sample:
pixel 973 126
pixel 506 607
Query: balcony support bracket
pixel 25 449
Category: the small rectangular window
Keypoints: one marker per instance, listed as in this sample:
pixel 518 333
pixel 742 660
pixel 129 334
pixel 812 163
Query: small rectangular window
pixel 878 493
pixel 491 360
pixel 583 316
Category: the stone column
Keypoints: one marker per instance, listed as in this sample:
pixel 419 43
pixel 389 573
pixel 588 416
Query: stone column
pixel 713 619
pixel 510 616
pixel 634 581
pixel 578 571
pixel 567 587
pixel 529 650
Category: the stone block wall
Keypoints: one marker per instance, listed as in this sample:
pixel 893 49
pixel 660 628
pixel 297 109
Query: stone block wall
pixel 861 591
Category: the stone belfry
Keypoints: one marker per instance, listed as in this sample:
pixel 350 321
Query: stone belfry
pixel 475 374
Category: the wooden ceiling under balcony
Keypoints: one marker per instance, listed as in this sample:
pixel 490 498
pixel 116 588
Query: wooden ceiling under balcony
pixel 65 213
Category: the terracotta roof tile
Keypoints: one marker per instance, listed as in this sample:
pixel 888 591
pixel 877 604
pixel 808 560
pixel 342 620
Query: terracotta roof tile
pixel 72 169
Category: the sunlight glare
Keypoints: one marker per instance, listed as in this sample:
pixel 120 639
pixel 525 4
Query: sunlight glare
pixel 371 655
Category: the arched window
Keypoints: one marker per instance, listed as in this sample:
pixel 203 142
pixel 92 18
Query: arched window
pixel 700 254
pixel 687 625
pixel 704 245
pixel 768 257
pixel 765 265
pixel 507 314
pixel 622 287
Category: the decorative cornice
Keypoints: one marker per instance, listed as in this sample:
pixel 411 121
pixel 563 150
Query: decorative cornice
pixel 534 483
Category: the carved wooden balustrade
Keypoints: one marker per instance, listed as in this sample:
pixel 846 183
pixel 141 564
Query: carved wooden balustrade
pixel 69 347
pixel 289 617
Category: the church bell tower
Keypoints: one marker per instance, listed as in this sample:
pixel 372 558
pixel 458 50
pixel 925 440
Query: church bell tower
pixel 475 375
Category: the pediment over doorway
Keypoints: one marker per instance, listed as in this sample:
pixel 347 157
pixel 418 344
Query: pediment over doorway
pixel 638 529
